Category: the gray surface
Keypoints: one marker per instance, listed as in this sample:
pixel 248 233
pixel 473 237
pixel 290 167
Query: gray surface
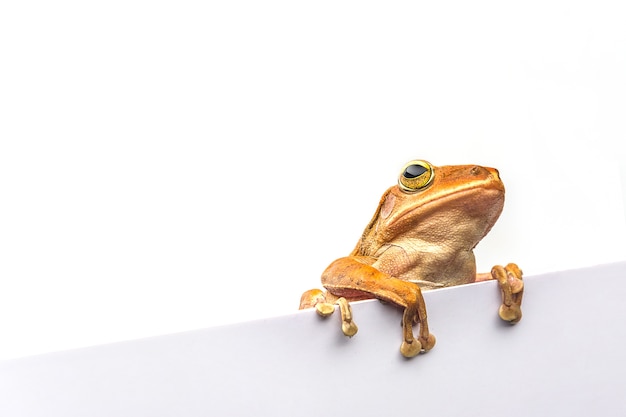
pixel 564 358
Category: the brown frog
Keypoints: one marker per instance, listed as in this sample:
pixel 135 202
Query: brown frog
pixel 421 237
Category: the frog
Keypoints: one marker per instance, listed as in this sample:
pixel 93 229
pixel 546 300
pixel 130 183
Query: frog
pixel 421 237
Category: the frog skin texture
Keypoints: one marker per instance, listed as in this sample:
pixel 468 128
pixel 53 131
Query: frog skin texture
pixel 421 237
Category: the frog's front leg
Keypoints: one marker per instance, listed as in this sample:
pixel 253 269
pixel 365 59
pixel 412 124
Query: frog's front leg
pixel 512 288
pixel 353 277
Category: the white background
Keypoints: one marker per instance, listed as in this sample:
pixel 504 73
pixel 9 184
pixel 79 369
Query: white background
pixel 167 166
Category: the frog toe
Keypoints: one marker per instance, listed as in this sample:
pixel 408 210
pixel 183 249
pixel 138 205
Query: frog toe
pixel 410 349
pixel 428 343
pixel 349 328
pixel 512 313
pixel 325 309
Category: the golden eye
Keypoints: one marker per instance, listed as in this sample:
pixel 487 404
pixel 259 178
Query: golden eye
pixel 415 176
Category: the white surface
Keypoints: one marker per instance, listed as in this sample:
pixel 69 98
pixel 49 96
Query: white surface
pixel 174 165
pixel 564 358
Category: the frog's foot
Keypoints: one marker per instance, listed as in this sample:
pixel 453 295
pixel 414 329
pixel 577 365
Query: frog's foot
pixel 416 313
pixel 322 301
pixel 512 287
pixel 348 327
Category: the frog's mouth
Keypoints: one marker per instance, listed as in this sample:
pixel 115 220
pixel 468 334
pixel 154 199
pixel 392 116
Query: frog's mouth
pixel 462 205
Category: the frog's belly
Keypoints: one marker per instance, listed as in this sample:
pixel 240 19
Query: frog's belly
pixel 433 268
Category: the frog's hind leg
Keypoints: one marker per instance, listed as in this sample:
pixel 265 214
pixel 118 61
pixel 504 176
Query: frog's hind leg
pixel 512 288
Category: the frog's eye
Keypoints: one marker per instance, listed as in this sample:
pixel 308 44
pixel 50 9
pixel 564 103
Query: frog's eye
pixel 415 176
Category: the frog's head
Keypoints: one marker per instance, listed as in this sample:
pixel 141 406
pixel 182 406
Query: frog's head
pixel 440 203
